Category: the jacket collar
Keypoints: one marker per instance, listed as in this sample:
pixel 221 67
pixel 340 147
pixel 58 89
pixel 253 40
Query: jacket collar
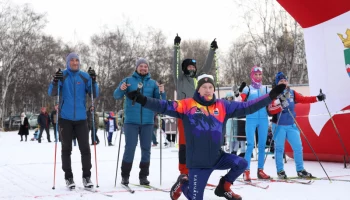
pixel 138 76
pixel 202 101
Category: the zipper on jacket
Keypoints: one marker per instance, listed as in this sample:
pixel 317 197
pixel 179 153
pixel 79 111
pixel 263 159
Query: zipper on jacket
pixel 74 94
pixel 208 110
pixel 141 93
pixel 258 110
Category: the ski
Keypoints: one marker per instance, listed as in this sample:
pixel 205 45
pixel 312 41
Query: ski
pixel 297 181
pixel 150 187
pixel 307 182
pixel 319 179
pixel 128 188
pixel 213 187
pixel 254 184
pixel 93 190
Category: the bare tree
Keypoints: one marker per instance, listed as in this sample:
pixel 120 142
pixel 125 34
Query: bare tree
pixel 19 28
pixel 274 40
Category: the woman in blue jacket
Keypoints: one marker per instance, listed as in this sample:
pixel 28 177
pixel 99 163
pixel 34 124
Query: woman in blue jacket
pixel 138 121
pixel 257 120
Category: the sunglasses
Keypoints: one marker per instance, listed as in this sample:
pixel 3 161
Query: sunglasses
pixel 257 69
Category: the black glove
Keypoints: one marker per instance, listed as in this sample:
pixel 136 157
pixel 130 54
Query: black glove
pixel 177 40
pixel 92 74
pixel 277 91
pixel 236 93
pixel 214 45
pixel 139 97
pixel 321 97
pixel 58 76
pixel 243 84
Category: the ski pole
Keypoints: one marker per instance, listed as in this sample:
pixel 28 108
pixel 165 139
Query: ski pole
pixel 161 141
pixel 313 151
pixel 336 130
pixel 93 127
pixel 120 139
pixel 217 73
pixel 58 100
pixel 116 170
pixel 104 128
pixel 273 133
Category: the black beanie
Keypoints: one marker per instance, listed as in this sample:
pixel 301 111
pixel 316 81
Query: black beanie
pixel 186 63
pixel 205 78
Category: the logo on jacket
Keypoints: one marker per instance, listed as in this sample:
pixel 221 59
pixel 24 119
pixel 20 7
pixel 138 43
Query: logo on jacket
pixel 346 42
pixel 216 111
pixel 78 83
pixel 198 111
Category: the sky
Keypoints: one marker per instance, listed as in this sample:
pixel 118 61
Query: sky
pixel 78 20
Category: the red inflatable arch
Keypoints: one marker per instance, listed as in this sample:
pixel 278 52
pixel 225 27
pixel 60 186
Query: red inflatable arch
pixel 309 13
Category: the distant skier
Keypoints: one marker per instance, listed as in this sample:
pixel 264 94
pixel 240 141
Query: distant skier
pixel 111 127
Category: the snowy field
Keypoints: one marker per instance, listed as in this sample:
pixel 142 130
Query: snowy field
pixel 26 172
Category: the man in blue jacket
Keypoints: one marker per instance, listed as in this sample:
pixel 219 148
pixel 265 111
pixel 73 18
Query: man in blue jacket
pixel 74 85
pixel 138 121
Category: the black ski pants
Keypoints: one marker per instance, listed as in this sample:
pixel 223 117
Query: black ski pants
pixel 79 129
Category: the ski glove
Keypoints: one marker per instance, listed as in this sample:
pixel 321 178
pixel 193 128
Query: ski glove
pixel 214 45
pixel 321 97
pixel 242 86
pixel 92 74
pixel 283 101
pixel 139 97
pixel 276 91
pixel 58 76
pixel 177 40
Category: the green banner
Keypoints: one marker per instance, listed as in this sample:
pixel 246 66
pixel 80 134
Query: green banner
pixel 347 56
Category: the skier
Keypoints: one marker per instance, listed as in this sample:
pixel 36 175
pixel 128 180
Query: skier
pixel 138 121
pixel 185 82
pixel 203 117
pixel 241 124
pixel 231 129
pixel 74 85
pixel 257 120
pixel 286 128
pixel 111 126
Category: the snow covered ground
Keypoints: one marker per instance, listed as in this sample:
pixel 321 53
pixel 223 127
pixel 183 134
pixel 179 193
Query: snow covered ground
pixel 26 172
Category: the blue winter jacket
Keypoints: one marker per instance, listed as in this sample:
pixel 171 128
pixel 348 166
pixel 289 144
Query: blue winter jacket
pixel 73 90
pixel 137 114
pixel 203 123
pixel 253 94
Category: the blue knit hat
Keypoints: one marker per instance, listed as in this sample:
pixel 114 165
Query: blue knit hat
pixel 141 61
pixel 70 57
pixel 280 76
